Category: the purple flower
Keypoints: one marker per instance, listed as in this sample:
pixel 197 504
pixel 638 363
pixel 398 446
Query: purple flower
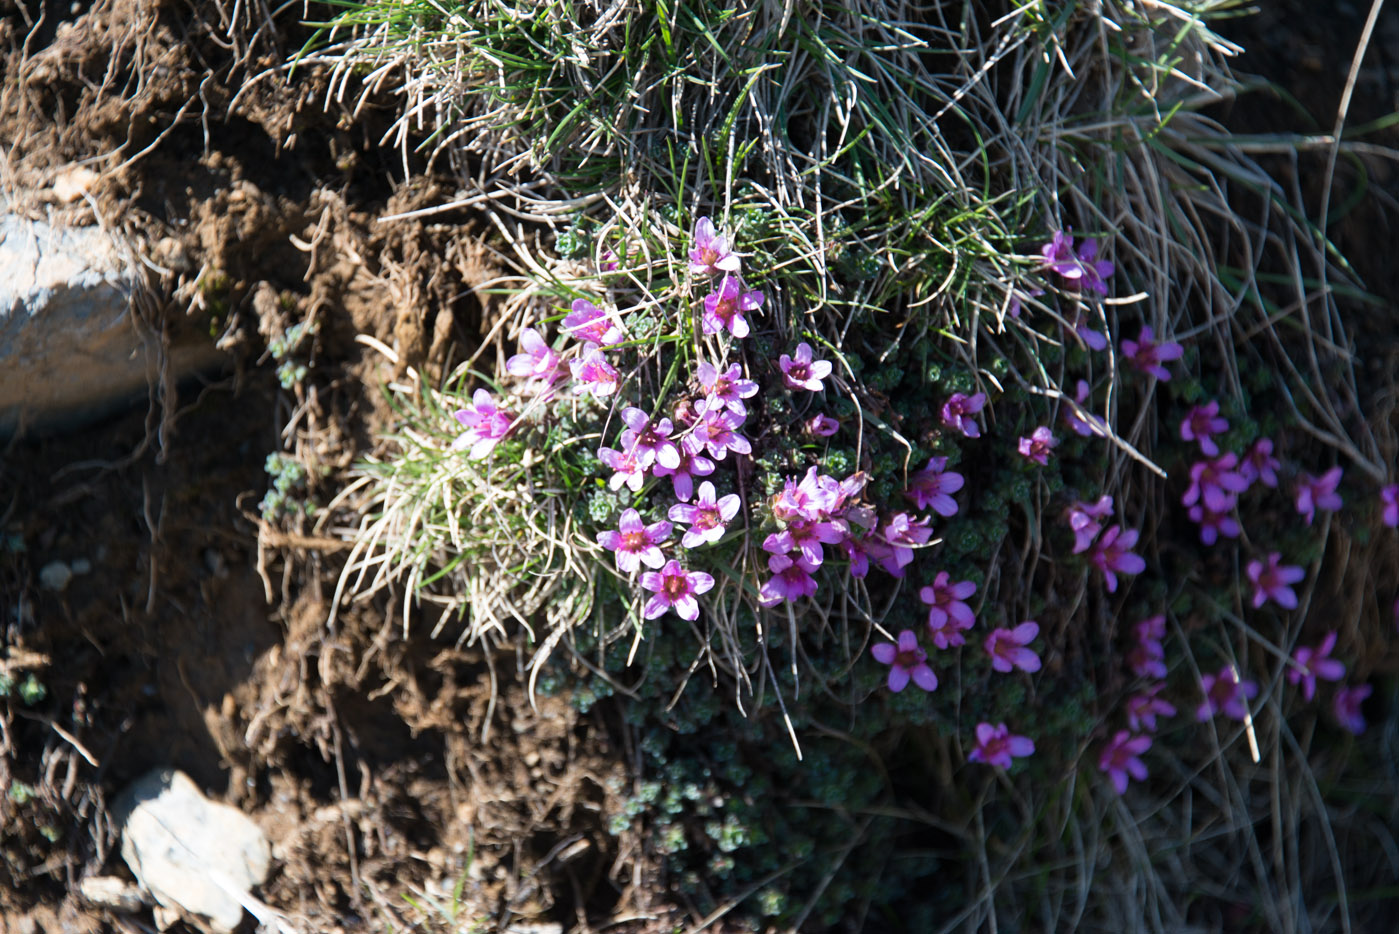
pixel 1112 554
pixel 675 588
pixel 724 390
pixel 803 372
pixel 790 581
pixel 996 746
pixel 649 441
pixel 806 537
pixel 692 464
pixel 635 543
pixel 725 309
pixel 1315 493
pixel 1120 759
pixel 1083 521
pixel 1086 424
pixel 958 410
pixel 1148 658
pixel 1083 268
pixel 1313 663
pixel 1260 464
pixel 536 359
pixel 711 254
pixel 1146 355
pixel 594 374
pixel 1202 424
pixel 1225 694
pixel 1151 628
pixel 1013 307
pixel 1038 445
pixel 1213 524
pixel 592 325
pixel 627 466
pixel 858 552
pixel 1389 498
pixel 717 429
pixel 1007 647
pixel 1346 706
pixel 902 533
pixel 485 423
pixel 707 518
pixel 1059 255
pixel 907 662
pixel 843 502
pixel 1095 270
pixel 822 426
pixel 813 499
pixel 1215 483
pixel 932 487
pixel 686 413
pixel 1096 340
pixel 1270 581
pixel 1144 708
pixel 948 615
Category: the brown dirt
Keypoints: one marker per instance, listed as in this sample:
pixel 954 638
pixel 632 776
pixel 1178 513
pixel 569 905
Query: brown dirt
pixel 198 640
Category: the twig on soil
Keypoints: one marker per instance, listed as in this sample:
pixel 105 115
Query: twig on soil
pixel 68 737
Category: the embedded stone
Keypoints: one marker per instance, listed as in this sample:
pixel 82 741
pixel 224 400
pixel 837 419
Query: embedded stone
pixel 189 852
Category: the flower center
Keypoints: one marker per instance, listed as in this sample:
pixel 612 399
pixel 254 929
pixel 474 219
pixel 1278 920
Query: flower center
pixel 635 541
pixel 676 586
pixel 798 372
pixel 908 659
pixel 707 518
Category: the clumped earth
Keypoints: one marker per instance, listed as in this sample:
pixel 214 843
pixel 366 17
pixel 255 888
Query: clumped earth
pixel 378 766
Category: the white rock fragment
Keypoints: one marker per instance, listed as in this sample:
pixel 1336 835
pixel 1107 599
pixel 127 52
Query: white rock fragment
pixel 72 184
pixel 189 852
pixel 111 893
pixel 55 576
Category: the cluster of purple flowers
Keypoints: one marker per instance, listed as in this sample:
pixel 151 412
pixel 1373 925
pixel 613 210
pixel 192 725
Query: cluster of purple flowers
pixel 1216 480
pixel 818 517
pixel 1111 549
pixel 1120 757
pixel 818 511
pixel 541 368
pixel 706 429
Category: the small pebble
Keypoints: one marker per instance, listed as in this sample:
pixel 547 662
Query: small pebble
pixel 215 563
pixel 55 576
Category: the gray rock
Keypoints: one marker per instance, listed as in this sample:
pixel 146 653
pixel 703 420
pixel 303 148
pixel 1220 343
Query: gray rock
pixel 69 352
pixel 188 851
